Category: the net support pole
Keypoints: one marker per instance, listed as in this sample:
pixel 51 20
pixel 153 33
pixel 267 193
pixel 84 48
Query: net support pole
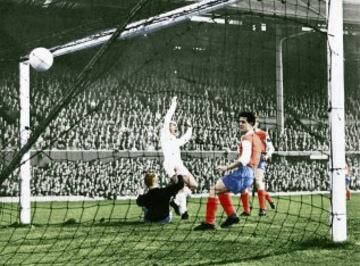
pixel 25 171
pixel 280 112
pixel 280 121
pixel 336 119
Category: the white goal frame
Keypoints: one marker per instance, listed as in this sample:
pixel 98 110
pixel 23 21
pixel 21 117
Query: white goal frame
pixel 336 99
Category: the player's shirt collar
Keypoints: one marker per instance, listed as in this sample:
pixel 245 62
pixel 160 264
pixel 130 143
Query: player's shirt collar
pixel 251 131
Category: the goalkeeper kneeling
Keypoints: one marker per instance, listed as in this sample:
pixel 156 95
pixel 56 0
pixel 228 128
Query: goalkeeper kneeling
pixel 155 202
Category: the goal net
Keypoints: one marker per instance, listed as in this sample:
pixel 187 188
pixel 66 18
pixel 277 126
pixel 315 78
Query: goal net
pixel 97 114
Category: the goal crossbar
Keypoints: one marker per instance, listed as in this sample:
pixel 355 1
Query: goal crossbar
pixel 141 27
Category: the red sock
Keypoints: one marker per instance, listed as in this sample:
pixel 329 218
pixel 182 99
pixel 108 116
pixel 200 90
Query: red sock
pixel 348 194
pixel 226 202
pixel 245 202
pixel 267 196
pixel 261 197
pixel 211 208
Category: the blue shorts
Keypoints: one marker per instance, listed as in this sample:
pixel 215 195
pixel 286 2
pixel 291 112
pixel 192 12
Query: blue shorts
pixel 262 163
pixel 239 180
pixel 347 180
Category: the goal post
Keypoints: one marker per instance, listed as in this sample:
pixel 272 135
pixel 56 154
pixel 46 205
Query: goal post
pixel 132 30
pixel 335 51
pixel 25 170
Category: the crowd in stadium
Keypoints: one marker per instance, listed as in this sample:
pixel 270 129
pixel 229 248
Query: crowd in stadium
pixel 127 115
pixel 124 176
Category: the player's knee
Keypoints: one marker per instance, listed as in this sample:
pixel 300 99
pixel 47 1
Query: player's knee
pixel 246 190
pixel 212 192
pixel 260 186
pixel 259 174
pixel 194 185
pixel 259 181
pixel 191 182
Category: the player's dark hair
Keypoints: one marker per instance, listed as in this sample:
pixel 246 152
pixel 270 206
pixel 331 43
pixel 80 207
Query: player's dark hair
pixel 250 117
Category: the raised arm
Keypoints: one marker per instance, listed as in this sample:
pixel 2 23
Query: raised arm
pixel 170 114
pixel 188 134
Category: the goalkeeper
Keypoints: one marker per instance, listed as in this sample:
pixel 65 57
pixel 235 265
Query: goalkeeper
pixel 156 201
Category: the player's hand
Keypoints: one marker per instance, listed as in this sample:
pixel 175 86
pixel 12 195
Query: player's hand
pixel 188 122
pixel 173 99
pixel 221 168
pixel 176 170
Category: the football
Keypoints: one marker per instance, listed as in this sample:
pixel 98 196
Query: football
pixel 41 59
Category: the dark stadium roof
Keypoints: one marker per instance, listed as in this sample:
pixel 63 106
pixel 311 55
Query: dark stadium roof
pixel 306 9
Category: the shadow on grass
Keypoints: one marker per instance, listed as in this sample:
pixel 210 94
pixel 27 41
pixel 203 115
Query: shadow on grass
pixel 73 222
pixel 291 247
pixel 18 225
pixel 101 223
pixel 324 244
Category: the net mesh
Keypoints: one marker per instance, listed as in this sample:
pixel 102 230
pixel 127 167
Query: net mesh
pixel 89 161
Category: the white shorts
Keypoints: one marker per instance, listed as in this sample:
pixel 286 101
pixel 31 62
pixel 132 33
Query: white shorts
pixel 180 169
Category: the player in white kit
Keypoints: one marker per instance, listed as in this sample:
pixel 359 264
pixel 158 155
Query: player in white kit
pixel 173 163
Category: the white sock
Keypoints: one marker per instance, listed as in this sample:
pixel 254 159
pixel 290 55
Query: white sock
pixel 180 200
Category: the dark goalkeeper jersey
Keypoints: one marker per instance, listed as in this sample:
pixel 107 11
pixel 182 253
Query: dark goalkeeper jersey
pixel 156 200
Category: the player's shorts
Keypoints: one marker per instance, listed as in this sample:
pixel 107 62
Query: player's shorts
pixel 262 163
pixel 180 169
pixel 239 180
pixel 166 220
pixel 347 180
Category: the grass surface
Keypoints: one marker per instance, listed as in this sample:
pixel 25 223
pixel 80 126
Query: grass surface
pixel 111 233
